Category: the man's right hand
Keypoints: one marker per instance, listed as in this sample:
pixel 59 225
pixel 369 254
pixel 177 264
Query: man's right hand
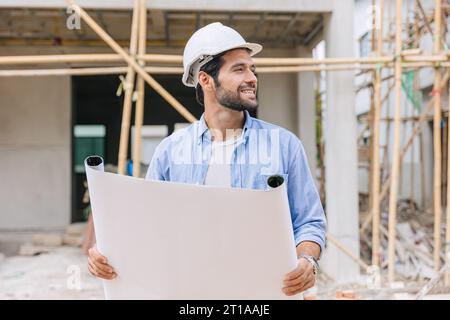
pixel 98 265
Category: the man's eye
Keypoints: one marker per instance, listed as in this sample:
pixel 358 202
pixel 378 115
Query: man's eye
pixel 239 69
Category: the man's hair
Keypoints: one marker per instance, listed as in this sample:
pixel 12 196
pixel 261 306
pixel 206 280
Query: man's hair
pixel 212 68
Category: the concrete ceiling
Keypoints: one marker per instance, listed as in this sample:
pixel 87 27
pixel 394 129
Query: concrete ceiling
pixel 166 28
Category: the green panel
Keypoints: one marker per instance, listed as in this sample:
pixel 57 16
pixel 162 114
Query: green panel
pixel 85 147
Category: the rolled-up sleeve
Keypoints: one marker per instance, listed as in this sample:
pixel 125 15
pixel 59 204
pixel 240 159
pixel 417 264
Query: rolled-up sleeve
pixel 308 217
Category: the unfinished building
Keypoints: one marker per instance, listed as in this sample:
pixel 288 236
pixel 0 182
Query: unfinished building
pixel 351 95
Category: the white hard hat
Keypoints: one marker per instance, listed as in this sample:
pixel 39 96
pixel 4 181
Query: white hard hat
pixel 207 42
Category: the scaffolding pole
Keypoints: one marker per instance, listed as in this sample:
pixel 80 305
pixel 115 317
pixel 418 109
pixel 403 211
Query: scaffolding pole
pixel 437 140
pixel 139 116
pixel 396 146
pixel 376 147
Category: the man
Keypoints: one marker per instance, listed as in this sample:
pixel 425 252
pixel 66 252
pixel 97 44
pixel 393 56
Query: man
pixel 227 147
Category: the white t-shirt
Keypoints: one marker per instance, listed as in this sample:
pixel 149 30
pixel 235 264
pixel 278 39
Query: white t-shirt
pixel 219 169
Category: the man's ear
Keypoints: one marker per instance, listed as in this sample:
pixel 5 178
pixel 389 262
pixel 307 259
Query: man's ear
pixel 205 81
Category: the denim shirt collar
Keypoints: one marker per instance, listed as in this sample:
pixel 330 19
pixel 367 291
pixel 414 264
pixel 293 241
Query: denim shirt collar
pixel 202 128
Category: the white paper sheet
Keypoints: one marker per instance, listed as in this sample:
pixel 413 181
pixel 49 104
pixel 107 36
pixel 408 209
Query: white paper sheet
pixel 180 241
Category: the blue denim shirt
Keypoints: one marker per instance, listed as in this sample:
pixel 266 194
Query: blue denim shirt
pixel 265 149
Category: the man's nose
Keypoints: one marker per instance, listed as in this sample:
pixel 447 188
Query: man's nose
pixel 251 77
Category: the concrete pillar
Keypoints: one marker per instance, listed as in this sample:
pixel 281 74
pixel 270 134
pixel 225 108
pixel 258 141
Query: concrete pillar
pixel 307 113
pixel 340 148
pixel 35 153
pixel 277 99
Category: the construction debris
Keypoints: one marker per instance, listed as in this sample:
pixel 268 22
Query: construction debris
pixel 75 234
pixel 74 241
pixel 346 295
pixel 432 283
pixel 414 243
pixel 76 229
pixel 32 250
pixel 47 276
pixel 46 242
pixel 47 239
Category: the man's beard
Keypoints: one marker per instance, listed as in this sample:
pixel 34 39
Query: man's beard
pixel 233 101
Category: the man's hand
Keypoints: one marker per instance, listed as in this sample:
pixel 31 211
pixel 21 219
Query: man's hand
pixel 98 265
pixel 300 279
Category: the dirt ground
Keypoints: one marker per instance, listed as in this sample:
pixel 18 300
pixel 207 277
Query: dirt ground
pixel 59 274
pixel 62 274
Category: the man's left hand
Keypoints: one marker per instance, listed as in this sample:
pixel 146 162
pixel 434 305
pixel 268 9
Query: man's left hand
pixel 300 279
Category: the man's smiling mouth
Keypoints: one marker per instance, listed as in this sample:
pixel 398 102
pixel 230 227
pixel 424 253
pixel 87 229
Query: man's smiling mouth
pixel 251 92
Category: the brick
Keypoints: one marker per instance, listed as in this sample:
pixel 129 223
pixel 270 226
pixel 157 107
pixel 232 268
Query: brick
pixel 76 229
pixel 346 295
pixel 47 239
pixel 349 294
pixel 71 240
pixel 32 250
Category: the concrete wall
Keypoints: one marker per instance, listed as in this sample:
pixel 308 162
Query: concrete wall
pixel 35 153
pixel 277 100
pixel 341 174
pixel 277 94
pixel 306 113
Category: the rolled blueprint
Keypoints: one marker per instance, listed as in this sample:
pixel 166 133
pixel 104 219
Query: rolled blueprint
pixel 275 181
pixel 170 240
